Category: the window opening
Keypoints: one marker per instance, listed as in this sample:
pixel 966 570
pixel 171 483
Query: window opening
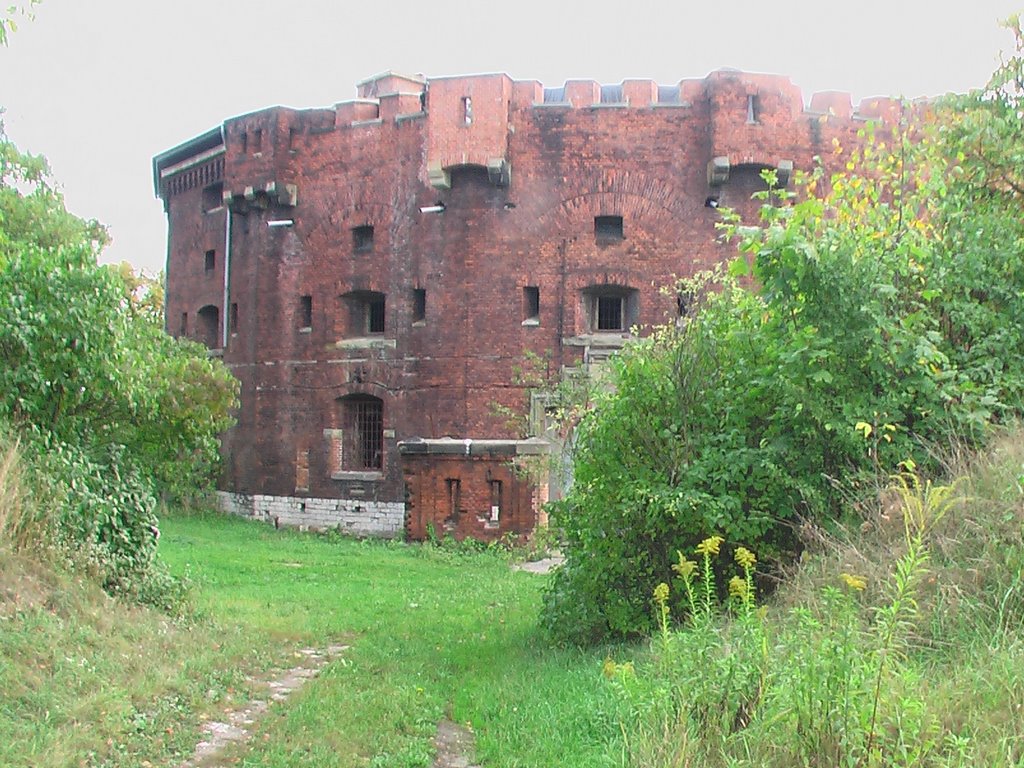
pixel 243 140
pixel 257 140
pixel 305 311
pixel 208 325
pixel 753 109
pixel 375 315
pixel 531 303
pixel 292 133
pixel 233 318
pixel 210 262
pixel 362 238
pixel 213 197
pixel 608 227
pixel 454 487
pixel 467 109
pixel 183 330
pixel 609 313
pixel 364 416
pixel 495 500
pixel 419 305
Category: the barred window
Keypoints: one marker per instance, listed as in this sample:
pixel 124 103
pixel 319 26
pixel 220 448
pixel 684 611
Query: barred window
pixel 364 422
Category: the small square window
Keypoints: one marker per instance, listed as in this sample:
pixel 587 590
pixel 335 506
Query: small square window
pixel 419 305
pixel 211 261
pixel 362 238
pixel 305 311
pixel 531 304
pixel 608 227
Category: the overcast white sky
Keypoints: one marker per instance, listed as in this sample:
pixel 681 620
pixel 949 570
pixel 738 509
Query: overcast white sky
pixel 100 86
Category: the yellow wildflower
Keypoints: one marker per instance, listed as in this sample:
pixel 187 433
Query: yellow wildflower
pixel 710 545
pixel 737 587
pixel 685 567
pixel 745 558
pixel 609 668
pixel 661 594
pixel 854 582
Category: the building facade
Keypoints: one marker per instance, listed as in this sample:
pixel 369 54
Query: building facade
pixel 375 274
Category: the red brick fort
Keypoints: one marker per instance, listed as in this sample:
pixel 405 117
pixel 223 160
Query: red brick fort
pixel 375 273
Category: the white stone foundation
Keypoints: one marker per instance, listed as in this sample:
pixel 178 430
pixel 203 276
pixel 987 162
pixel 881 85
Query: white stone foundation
pixel 384 519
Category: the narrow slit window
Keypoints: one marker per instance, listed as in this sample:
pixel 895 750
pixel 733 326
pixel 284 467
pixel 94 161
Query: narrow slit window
pixel 305 311
pixel 362 238
pixel 210 262
pixel 243 141
pixel 531 303
pixel 233 319
pixel 495 501
pixel 467 110
pixel 419 305
pixel 183 329
pixel 257 140
pixel 753 109
pixel 608 227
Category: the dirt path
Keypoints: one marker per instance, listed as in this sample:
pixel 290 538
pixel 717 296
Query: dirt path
pixel 454 744
pixel 237 725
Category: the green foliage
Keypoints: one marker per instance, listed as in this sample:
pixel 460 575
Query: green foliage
pixel 830 685
pixel 112 411
pixel 887 316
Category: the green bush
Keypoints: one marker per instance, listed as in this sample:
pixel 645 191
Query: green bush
pixel 887 317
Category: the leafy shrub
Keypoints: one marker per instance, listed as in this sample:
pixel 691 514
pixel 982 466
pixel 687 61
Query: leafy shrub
pixel 887 301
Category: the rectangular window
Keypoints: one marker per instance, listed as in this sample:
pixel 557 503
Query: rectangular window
pixel 375 315
pixel 609 313
pixel 531 304
pixel 467 110
pixel 495 500
pixel 292 134
pixel 243 141
pixel 211 261
pixel 454 488
pixel 233 319
pixel 305 311
pixel 419 305
pixel 362 238
pixel 257 140
pixel 183 330
pixel 608 227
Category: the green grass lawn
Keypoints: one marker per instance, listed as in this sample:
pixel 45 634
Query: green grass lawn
pixel 88 681
pixel 433 633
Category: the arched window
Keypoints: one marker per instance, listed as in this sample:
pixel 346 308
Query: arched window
pixel 362 418
pixel 208 326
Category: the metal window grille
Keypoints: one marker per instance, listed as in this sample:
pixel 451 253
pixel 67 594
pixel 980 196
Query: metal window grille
pixel 609 313
pixel 367 417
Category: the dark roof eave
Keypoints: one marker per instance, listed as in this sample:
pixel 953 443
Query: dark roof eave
pixel 212 138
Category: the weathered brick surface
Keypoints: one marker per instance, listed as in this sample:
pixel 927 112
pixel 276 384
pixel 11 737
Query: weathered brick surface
pixel 404 144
